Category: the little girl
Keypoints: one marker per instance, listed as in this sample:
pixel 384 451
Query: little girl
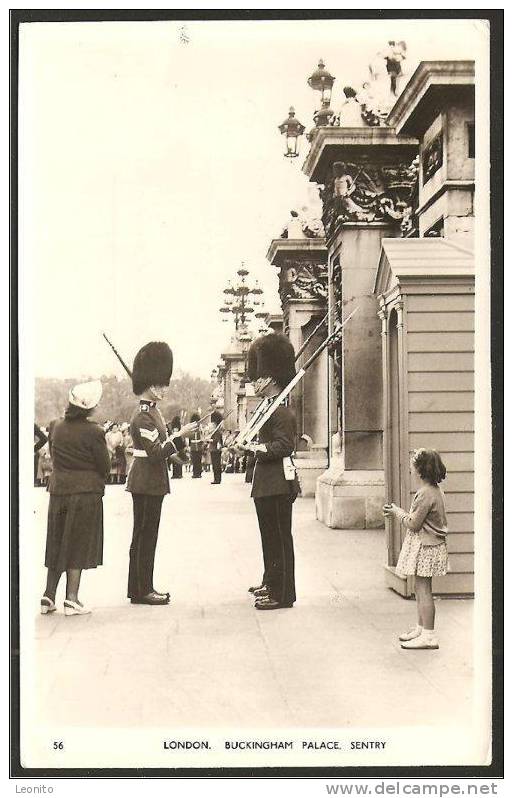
pixel 424 551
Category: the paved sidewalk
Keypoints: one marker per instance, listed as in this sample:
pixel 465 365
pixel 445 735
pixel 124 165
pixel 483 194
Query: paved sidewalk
pixel 210 659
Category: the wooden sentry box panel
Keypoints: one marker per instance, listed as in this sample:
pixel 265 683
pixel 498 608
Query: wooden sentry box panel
pixel 426 294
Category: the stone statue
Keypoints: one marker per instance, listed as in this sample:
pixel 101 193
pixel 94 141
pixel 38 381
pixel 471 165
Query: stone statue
pixel 311 222
pixel 343 187
pixel 304 224
pixel 372 103
pixel 385 72
pixel 394 56
pixel 351 111
pixel 295 226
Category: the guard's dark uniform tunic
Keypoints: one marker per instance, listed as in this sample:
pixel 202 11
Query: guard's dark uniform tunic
pixel 148 482
pixel 196 446
pixel 215 446
pixel 274 495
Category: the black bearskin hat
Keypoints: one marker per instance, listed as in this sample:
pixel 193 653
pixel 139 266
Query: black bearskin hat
pixel 175 423
pixel 272 356
pixel 216 417
pixel 153 365
pixel 195 417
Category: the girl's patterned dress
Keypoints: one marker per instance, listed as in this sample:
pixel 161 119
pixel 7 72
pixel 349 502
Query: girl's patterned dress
pixel 424 550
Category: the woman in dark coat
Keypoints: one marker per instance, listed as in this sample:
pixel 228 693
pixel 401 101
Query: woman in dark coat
pixel 81 466
pixel 39 441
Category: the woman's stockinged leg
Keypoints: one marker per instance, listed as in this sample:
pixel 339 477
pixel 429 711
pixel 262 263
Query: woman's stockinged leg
pixel 72 584
pixel 426 605
pixel 52 581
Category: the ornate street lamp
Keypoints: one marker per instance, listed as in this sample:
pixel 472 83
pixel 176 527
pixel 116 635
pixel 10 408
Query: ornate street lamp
pixel 321 80
pixel 239 301
pixel 291 128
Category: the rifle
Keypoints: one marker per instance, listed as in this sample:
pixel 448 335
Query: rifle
pixel 219 425
pixel 259 410
pixel 312 334
pixel 256 424
pixel 118 356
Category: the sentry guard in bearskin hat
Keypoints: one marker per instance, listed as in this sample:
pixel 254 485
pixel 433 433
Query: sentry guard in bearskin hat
pixel 272 356
pixel 153 365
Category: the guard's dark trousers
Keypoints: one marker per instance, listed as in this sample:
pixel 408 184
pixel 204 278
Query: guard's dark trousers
pixel 196 458
pixel 275 520
pixel 216 465
pixel 144 541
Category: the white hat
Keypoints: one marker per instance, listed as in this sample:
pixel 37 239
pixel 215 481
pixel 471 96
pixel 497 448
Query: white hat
pixel 86 395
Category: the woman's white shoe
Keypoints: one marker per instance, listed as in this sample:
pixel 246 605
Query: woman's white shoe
pixel 47 605
pixel 411 634
pixel 72 608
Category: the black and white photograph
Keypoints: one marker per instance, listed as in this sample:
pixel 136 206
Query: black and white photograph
pixel 253 273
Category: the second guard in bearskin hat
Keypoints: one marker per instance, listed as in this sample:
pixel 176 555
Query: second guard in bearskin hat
pixel 275 485
pixel 148 480
pixel 196 445
pixel 215 445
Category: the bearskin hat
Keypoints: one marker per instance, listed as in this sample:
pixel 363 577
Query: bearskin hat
pixel 153 365
pixel 272 356
pixel 216 417
pixel 195 417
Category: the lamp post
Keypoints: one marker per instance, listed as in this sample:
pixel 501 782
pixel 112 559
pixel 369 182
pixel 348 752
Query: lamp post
pixel 291 128
pixel 320 80
pixel 239 301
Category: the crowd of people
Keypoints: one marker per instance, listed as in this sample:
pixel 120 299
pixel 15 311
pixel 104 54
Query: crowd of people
pixel 120 448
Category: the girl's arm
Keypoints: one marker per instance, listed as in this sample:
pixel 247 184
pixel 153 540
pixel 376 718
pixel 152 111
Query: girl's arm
pixel 414 520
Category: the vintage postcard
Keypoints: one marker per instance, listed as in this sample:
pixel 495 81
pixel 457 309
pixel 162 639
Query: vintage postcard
pixel 255 530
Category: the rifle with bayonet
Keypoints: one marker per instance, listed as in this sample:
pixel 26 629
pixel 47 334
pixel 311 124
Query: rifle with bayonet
pixel 118 356
pixel 130 375
pixel 263 414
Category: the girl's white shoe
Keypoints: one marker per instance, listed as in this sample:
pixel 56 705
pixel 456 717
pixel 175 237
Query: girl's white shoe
pixel 426 639
pixel 411 634
pixel 47 605
pixel 72 608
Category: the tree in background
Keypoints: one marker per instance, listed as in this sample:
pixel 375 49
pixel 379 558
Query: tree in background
pixel 117 403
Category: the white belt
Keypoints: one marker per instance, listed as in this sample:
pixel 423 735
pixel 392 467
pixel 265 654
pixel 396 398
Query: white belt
pixel 140 453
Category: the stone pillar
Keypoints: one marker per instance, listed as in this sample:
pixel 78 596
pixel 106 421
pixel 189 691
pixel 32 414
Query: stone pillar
pixel 234 360
pixel 367 193
pixel 350 493
pixel 303 293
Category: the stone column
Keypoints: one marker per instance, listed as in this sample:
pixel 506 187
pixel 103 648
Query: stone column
pixel 303 293
pixel 367 189
pixel 234 360
pixel 350 494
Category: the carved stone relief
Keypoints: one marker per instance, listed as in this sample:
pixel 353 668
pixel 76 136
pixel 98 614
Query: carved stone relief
pixel 432 158
pixel 368 192
pixel 303 279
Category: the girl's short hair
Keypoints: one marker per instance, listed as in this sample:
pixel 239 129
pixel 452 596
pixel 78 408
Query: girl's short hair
pixel 429 465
